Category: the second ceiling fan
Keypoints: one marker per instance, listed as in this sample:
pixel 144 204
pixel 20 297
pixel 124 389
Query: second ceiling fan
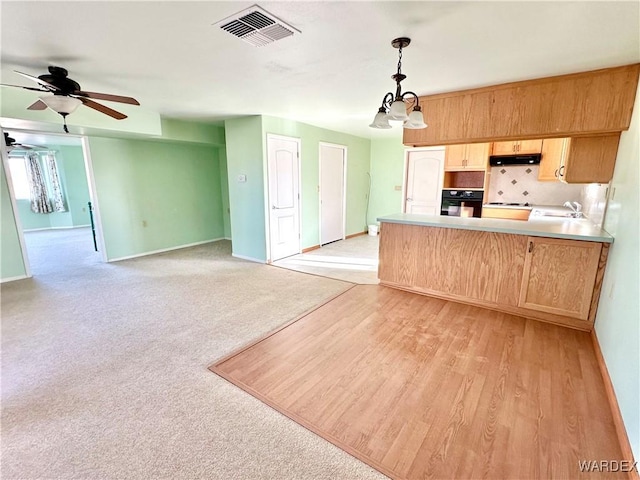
pixel 67 95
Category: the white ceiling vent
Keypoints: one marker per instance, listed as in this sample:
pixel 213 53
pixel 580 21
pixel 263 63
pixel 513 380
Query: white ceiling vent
pixel 256 26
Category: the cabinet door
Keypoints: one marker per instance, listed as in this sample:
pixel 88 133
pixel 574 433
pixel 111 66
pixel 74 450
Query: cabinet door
pixel 559 276
pixel 553 149
pixel 526 147
pixel 591 159
pixel 455 157
pixel 503 148
pixel 477 155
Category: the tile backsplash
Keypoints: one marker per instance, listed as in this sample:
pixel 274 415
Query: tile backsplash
pixel 519 184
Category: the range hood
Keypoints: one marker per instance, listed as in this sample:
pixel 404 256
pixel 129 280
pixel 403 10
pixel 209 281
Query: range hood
pixel 506 160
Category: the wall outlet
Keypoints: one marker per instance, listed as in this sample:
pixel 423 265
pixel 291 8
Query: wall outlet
pixel 242 178
pixel 398 188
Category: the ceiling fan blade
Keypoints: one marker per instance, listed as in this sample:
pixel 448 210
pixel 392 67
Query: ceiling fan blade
pixel 37 105
pixel 106 96
pixel 47 85
pixel 26 88
pixel 102 109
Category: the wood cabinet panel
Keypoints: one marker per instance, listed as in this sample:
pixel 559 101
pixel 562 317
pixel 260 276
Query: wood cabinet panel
pixel 559 276
pixel 590 159
pixel 593 102
pixel 479 265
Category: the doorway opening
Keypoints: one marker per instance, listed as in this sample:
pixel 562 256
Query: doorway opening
pixel 49 180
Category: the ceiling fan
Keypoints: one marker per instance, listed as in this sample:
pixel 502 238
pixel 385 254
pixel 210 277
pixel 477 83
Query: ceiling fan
pixel 67 95
pixel 11 144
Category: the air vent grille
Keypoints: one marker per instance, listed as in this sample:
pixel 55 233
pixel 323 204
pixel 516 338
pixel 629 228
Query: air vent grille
pixel 256 26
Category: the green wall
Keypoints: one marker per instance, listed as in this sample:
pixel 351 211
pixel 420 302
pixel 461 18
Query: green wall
pixel 244 152
pixel 618 320
pixel 73 176
pixel 358 159
pixel 387 170
pixel 11 263
pixel 155 195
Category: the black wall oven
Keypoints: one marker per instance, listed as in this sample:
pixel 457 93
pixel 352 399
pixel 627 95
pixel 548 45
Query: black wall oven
pixel 462 203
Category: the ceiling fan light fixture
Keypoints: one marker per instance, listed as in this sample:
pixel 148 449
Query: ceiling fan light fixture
pixel 61 103
pixel 394 106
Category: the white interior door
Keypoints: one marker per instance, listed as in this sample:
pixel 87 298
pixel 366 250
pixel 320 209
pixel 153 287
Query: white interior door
pixel 284 196
pixel 424 181
pixel 332 162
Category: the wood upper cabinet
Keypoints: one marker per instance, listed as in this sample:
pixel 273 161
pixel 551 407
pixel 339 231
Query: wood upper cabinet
pixel 518 147
pixel 468 156
pixel 579 159
pixel 553 151
pixel 587 103
pixel 589 159
pixel 559 276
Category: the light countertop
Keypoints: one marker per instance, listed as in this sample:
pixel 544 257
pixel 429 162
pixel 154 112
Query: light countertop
pixel 551 227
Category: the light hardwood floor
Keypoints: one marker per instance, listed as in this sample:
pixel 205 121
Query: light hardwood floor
pixel 419 387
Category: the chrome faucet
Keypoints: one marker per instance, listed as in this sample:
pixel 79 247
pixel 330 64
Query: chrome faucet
pixel 576 209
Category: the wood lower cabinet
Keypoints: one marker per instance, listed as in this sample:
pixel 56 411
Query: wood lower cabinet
pixel 506 213
pixel 559 276
pixel 548 279
pixel 468 156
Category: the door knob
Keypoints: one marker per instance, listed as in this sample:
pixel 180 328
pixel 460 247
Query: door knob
pixel 409 199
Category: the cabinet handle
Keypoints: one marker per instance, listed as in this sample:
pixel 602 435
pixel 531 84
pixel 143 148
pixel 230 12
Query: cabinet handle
pixel 561 171
pixel 555 174
pixel 530 247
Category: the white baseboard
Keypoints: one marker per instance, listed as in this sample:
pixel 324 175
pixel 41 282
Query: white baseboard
pixel 13 279
pixel 251 259
pixel 55 228
pixel 144 254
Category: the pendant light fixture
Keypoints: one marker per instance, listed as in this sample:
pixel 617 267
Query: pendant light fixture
pixel 394 107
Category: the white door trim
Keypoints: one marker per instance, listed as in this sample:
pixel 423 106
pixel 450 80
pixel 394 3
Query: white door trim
pixel 267 209
pixel 344 187
pixel 93 194
pixel 14 208
pixel 405 172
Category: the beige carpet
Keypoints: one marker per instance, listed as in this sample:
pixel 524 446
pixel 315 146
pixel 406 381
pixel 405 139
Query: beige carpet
pixel 104 371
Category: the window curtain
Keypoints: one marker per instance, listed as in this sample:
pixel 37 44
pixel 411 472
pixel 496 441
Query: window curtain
pixel 57 198
pixel 39 198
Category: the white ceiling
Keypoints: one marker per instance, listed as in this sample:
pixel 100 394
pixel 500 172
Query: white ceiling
pixel 334 74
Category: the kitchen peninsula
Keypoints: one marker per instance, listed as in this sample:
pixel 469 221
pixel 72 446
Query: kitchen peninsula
pixel 546 269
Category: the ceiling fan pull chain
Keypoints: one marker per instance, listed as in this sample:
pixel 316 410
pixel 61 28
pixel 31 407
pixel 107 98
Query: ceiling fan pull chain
pixel 64 122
